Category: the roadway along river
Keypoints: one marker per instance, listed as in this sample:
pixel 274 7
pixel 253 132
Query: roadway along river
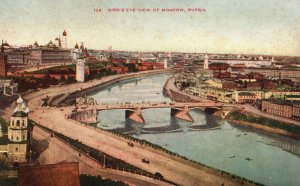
pixel 272 159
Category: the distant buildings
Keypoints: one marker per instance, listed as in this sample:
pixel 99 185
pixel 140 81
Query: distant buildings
pixel 246 62
pixel 277 73
pixel 52 53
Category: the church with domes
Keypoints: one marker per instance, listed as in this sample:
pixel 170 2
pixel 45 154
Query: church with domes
pixel 16 136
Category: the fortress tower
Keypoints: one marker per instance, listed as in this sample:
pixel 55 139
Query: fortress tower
pixel 80 69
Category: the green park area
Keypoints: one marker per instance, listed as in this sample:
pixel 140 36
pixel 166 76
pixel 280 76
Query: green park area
pixel 241 116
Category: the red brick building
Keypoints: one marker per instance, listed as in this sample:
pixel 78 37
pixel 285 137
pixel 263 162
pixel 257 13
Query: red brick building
pixel 229 85
pixel 119 70
pixel 253 85
pixel 218 66
pixel 268 84
pixel 62 174
pixel 281 108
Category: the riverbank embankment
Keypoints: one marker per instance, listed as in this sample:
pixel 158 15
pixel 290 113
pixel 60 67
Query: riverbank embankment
pixel 82 89
pixel 175 94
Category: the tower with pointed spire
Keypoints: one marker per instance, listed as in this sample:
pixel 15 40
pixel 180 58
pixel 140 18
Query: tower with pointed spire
pixel 63 40
pixel 18 133
pixel 205 66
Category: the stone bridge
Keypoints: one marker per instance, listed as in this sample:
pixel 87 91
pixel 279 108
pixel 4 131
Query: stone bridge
pixel 133 111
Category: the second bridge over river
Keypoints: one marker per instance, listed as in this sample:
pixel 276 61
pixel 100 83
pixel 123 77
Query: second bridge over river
pixel 133 111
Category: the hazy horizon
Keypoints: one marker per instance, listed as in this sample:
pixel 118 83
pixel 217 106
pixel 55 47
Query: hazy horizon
pixel 230 26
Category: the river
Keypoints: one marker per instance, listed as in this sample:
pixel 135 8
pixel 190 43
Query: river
pixel 256 155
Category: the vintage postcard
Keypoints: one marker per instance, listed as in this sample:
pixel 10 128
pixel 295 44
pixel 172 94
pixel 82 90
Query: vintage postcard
pixel 149 92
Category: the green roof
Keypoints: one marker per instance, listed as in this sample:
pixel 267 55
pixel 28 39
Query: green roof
pixel 292 96
pixel 19 114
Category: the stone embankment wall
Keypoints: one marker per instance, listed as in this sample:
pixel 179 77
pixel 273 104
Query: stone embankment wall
pixel 84 116
pixel 175 94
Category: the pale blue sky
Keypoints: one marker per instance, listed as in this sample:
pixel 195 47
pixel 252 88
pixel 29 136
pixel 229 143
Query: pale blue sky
pixel 227 26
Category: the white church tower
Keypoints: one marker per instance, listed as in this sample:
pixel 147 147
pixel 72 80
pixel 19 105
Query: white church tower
pixel 18 133
pixel 205 66
pixel 75 53
pixel 80 69
pixel 165 63
pixel 64 40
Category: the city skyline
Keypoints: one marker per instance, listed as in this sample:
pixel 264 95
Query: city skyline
pixel 251 27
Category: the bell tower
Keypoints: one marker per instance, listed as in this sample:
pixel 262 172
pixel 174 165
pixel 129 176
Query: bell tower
pixel 18 133
pixel 64 40
pixel 205 66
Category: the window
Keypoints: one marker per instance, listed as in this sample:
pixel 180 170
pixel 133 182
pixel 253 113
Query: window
pixel 23 123
pixel 17 149
pixel 18 123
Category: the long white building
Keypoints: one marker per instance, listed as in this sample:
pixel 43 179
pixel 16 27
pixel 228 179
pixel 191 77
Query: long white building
pixel 246 62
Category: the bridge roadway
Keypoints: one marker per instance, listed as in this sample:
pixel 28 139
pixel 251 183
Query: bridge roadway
pixel 133 111
pixel 132 106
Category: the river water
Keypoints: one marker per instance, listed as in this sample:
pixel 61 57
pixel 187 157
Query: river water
pixel 259 156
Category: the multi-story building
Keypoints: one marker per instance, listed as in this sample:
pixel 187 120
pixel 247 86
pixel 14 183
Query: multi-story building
pixel 275 73
pixel 282 108
pixel 246 62
pixel 44 56
pixel 18 58
pixel 246 97
pixel 218 94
